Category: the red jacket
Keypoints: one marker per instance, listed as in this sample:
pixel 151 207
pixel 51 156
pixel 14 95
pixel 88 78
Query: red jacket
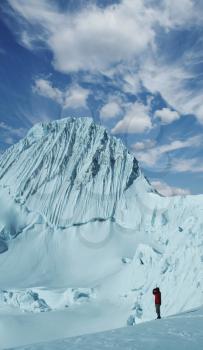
pixel 157 295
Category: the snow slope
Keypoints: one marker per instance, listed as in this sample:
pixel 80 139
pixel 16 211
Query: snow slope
pixel 180 332
pixel 78 217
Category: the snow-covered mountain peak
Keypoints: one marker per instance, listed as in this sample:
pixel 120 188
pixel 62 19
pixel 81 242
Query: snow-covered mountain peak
pixel 71 170
pixel 76 212
pixel 42 129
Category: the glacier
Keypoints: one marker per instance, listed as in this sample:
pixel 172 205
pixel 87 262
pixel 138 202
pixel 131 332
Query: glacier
pixel 83 229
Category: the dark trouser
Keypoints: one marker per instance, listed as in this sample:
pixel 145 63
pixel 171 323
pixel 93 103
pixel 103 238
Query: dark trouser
pixel 158 312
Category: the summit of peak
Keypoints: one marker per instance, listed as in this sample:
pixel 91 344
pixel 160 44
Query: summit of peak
pixel 43 128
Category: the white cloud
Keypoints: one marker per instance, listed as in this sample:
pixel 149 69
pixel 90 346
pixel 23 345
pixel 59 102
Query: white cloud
pixel 136 120
pixel 45 88
pixel 193 165
pixel 94 38
pixel 150 156
pixel 166 190
pixel 173 83
pixel 123 35
pixel 166 115
pixel 143 146
pixel 175 13
pixel 110 110
pixel 74 97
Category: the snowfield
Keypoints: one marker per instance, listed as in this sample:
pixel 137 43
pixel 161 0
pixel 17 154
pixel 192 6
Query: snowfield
pixel 180 332
pixel 84 238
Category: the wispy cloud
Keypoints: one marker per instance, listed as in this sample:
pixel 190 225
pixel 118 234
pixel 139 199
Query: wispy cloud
pixel 45 88
pixel 149 154
pixel 10 133
pixel 166 190
pixel 193 165
pixel 176 84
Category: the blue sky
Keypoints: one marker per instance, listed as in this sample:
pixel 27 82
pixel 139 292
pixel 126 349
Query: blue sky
pixel 134 66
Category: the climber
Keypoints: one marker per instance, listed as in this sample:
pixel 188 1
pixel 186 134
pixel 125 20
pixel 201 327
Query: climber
pixel 157 295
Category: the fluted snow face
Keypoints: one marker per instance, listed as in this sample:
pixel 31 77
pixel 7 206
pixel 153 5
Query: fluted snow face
pixel 69 170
